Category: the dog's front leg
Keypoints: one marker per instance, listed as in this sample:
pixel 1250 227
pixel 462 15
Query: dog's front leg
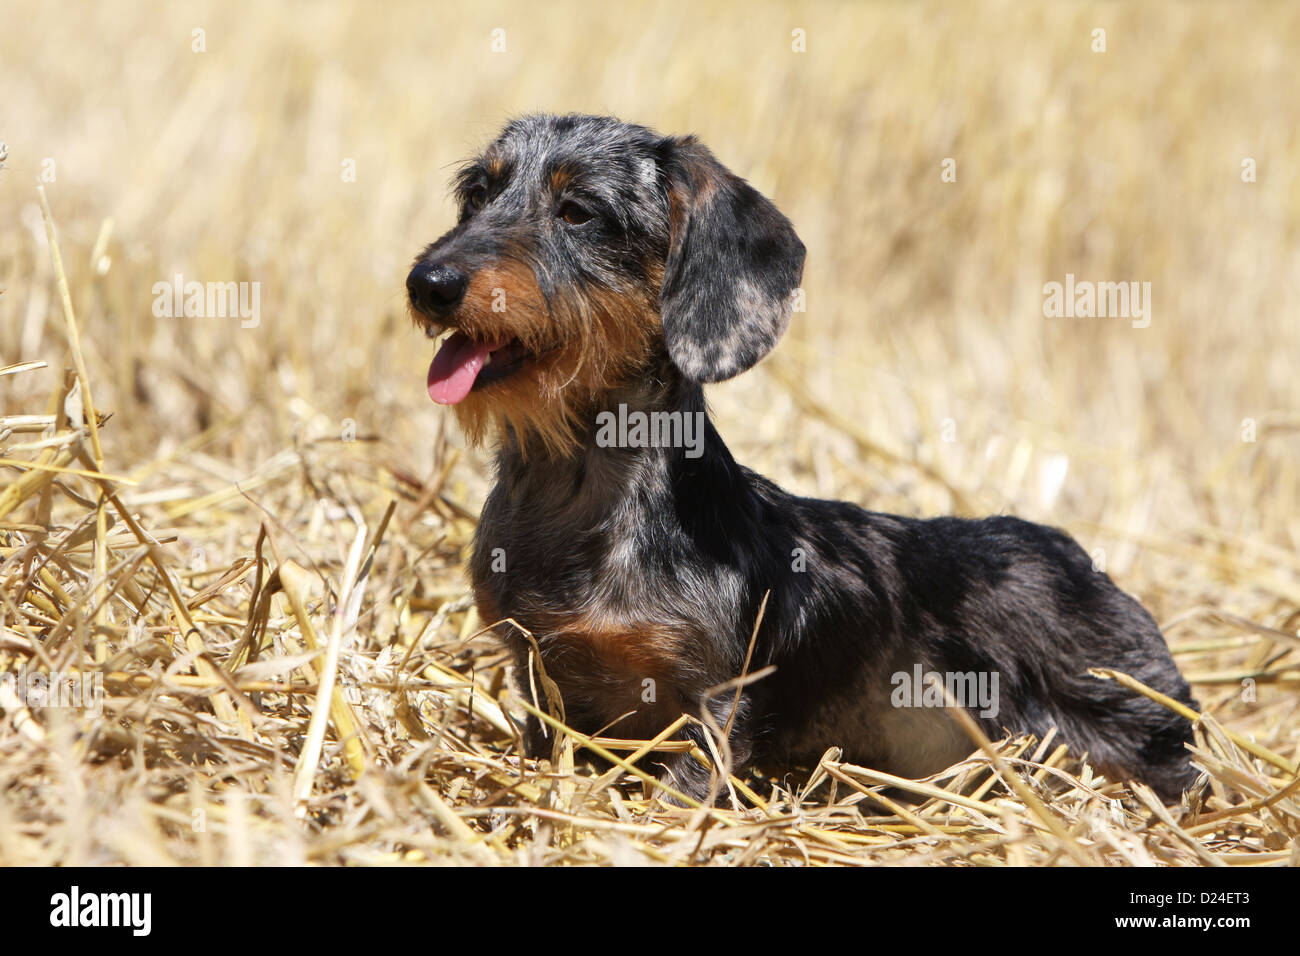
pixel 685 772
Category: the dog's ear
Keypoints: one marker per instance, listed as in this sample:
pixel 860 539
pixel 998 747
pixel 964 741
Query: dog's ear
pixel 733 263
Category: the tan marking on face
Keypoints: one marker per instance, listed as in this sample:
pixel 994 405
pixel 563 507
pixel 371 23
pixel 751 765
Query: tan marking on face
pixel 583 346
pixel 560 178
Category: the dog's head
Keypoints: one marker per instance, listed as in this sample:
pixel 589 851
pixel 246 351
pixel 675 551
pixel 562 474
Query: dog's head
pixel 585 250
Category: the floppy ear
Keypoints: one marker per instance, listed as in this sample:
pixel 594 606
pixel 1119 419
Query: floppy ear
pixel 733 262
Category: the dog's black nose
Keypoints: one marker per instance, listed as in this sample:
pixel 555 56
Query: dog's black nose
pixel 435 288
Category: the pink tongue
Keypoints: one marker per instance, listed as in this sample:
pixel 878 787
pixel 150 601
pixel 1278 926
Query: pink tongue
pixel 455 367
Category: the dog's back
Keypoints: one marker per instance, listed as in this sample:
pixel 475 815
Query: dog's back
pixel 1004 609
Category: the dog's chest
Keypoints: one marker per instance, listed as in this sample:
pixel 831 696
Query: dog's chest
pixel 586 540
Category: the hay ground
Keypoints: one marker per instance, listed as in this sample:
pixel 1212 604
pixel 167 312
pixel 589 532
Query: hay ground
pixel 247 514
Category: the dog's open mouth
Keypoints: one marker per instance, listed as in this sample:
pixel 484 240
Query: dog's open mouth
pixel 463 365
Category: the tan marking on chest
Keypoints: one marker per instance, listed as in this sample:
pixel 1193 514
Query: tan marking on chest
pixel 606 669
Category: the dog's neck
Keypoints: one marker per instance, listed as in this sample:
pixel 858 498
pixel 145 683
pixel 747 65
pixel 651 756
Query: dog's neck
pixel 620 461
pixel 622 531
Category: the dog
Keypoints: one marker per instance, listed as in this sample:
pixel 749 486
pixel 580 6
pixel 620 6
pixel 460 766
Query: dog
pixel 598 276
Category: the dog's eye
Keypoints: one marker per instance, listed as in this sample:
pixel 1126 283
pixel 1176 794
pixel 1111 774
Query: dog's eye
pixel 476 198
pixel 573 214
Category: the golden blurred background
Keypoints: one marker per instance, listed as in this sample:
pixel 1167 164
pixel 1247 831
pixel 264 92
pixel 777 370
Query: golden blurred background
pixel 924 297
pixel 307 147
